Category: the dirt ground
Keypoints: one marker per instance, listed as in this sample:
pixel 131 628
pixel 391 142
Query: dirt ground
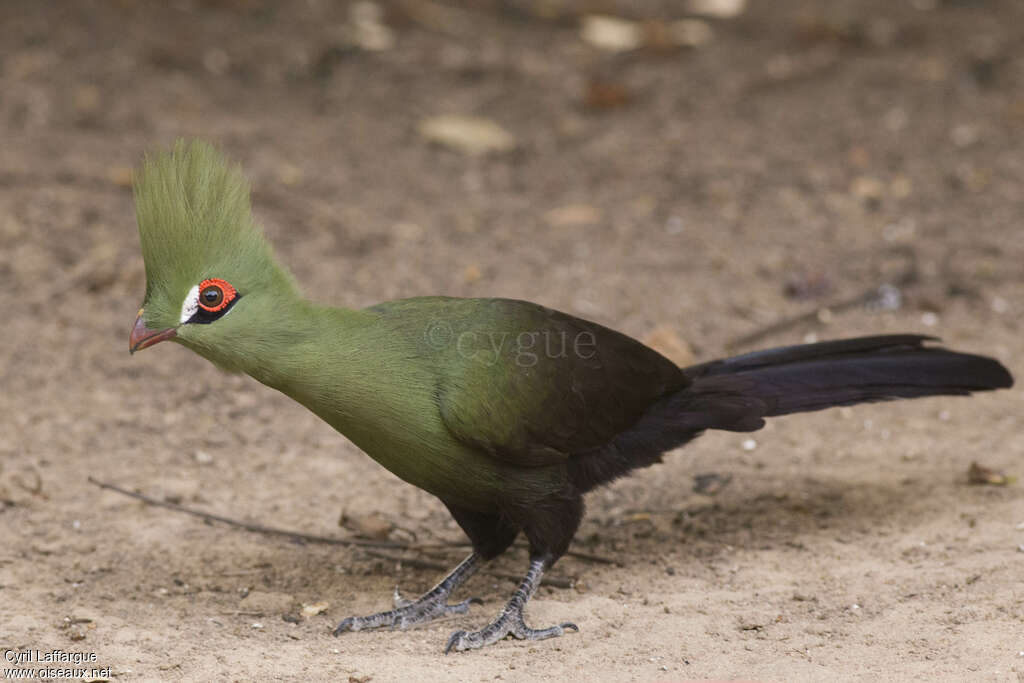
pixel 805 153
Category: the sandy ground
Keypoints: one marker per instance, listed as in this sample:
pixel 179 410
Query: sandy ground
pixel 694 195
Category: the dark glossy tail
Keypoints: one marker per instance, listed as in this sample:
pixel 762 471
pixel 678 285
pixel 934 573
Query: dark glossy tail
pixel 809 377
pixel 736 394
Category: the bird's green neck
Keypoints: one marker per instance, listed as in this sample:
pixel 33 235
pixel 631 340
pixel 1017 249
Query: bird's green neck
pixel 347 368
pixel 305 351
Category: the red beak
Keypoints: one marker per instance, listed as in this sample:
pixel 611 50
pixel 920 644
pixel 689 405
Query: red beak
pixel 142 336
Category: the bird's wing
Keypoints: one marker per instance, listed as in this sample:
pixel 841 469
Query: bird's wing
pixel 533 386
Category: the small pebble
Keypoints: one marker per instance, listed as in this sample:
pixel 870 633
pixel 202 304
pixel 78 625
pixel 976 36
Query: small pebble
pixel 889 298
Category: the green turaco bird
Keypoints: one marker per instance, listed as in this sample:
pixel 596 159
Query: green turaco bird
pixel 507 411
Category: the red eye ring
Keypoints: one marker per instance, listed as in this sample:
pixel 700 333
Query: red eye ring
pixel 215 295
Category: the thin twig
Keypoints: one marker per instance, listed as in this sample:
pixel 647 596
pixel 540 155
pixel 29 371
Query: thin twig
pixel 309 538
pixel 872 294
pixel 546 580
pixel 250 526
pixel 589 557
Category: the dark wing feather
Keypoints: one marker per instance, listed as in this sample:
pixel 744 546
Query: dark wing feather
pixel 533 386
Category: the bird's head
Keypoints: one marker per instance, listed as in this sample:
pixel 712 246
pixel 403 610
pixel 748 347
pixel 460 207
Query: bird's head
pixel 211 276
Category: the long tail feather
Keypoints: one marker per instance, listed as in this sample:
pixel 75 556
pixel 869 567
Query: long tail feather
pixel 798 379
pixel 737 394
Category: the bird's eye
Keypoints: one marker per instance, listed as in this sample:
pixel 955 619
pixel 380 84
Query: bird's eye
pixel 215 295
pixel 211 296
pixel 210 300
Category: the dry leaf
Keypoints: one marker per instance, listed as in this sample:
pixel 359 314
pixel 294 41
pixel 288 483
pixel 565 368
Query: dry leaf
pixel 120 175
pixel 315 608
pixel 720 9
pixel 370 526
pixel 979 474
pixel 611 33
pixel 605 95
pixel 471 135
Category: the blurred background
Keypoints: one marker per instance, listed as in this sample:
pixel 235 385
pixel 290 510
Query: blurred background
pixel 709 176
pixel 605 157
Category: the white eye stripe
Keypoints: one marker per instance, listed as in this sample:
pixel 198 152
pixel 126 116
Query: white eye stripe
pixel 191 304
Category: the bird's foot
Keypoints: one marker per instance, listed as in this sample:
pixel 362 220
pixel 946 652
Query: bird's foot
pixel 430 606
pixel 508 623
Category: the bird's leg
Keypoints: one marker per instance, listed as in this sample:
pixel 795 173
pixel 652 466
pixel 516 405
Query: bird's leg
pixel 510 621
pixel 431 605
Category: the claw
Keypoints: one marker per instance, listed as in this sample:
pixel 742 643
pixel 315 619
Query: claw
pixel 455 637
pixel 345 625
pixel 399 600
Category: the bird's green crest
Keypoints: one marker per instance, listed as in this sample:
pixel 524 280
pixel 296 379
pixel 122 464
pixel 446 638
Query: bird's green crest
pixel 195 221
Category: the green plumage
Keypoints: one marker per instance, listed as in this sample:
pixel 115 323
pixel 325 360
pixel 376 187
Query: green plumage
pixel 446 393
pixel 195 221
pixel 505 410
